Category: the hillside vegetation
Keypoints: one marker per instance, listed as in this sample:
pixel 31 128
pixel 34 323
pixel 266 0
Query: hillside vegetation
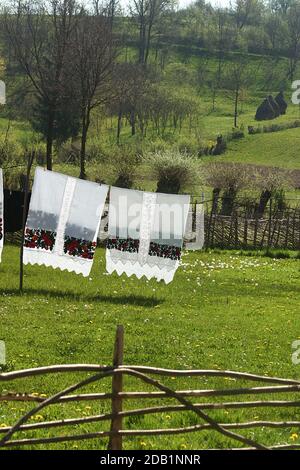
pixel 200 74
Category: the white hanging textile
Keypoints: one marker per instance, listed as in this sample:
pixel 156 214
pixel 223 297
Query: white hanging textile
pixel 145 233
pixel 1 214
pixel 63 222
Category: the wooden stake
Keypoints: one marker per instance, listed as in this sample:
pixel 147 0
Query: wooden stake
pixel 115 441
pixel 30 159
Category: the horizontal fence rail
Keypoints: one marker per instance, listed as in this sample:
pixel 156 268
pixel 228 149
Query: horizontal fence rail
pixel 147 375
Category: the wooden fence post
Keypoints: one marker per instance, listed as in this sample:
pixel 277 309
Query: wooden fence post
pixel 30 159
pixel 115 442
pixel 270 225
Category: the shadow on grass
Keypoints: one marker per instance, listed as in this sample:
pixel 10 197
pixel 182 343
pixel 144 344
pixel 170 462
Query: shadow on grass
pixel 139 300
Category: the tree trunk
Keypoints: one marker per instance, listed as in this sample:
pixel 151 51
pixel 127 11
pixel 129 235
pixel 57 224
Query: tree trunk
pixel 236 101
pixel 147 45
pixel 84 133
pixel 49 144
pixel 119 126
pixel 292 68
pixel 142 43
pixel 263 202
pixel 216 195
pixel 214 93
pixel 228 201
pixel 132 121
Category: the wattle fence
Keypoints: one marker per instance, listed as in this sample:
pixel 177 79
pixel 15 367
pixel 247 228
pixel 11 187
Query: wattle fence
pixel 182 400
pixel 243 229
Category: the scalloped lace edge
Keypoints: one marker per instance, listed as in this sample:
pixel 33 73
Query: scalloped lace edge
pixel 152 261
pixel 134 268
pixel 64 263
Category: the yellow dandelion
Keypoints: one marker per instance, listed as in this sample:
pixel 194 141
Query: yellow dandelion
pixel 39 417
pixel 294 436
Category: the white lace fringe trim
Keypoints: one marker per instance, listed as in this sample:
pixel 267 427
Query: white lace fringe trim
pixel 134 268
pixel 79 266
pixel 1 248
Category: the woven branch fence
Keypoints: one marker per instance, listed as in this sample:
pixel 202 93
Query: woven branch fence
pixel 148 375
pixel 242 229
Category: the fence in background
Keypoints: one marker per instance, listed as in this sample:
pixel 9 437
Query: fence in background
pixel 183 400
pixel 243 229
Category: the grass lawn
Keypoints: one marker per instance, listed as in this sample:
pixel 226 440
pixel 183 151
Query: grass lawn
pixel 223 311
pixel 279 149
pixel 18 129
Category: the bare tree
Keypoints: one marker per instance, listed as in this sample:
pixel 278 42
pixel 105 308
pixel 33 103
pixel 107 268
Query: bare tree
pixel 270 182
pixel 293 38
pixel 280 6
pixel 246 12
pixel 230 178
pixel 146 14
pixel 93 55
pixel 39 34
pixel 130 84
pixel 237 79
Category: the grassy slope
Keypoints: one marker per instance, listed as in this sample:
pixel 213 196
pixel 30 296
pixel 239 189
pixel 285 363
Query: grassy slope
pixel 277 149
pixel 280 149
pixel 17 129
pixel 222 311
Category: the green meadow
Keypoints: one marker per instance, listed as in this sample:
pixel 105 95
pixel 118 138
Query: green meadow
pixel 224 310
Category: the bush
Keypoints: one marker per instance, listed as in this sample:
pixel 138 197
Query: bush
pixel 220 146
pixel 273 127
pixel 9 151
pixel 229 178
pixel 173 171
pixel 188 146
pixel 237 133
pixel 124 169
pixel 157 144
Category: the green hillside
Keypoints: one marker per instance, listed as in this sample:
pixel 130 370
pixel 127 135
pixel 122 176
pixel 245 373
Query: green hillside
pixel 280 149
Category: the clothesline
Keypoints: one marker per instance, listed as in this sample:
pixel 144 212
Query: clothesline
pixel 145 229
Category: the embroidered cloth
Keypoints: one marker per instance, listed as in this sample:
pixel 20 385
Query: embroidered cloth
pixel 63 222
pixel 145 233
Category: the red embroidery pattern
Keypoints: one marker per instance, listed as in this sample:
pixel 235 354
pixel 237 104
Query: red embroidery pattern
pixel 79 247
pixel 123 244
pixel 38 238
pixel 165 251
